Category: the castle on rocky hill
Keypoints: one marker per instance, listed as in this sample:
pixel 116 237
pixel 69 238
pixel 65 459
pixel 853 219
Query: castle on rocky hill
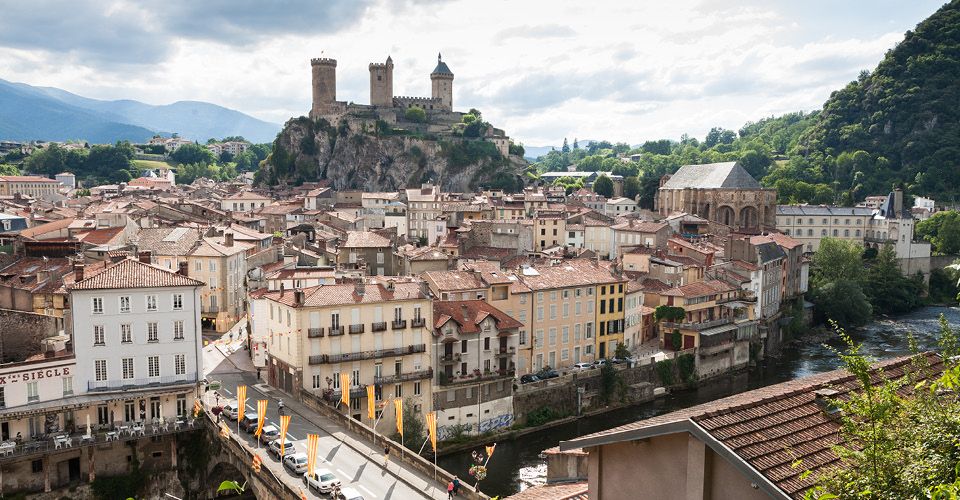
pixel 385 106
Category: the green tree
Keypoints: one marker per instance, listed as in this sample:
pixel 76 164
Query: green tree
pixel 631 187
pixel 193 153
pixel 413 427
pixel 111 162
pixel 837 259
pixel 942 230
pixel 889 291
pixel 621 351
pixel 603 186
pixel 566 147
pixel 415 114
pixel 842 301
pixel 47 161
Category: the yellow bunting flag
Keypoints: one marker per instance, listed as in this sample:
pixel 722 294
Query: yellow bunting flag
pixel 490 450
pixel 345 389
pixel 432 429
pixel 284 425
pixel 371 403
pixel 261 416
pixel 255 465
pixel 241 401
pixel 224 430
pixel 197 408
pixel 303 496
pixel 312 441
pixel 398 406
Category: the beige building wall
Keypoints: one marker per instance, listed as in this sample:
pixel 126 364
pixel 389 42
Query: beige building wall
pixel 563 327
pixel 810 229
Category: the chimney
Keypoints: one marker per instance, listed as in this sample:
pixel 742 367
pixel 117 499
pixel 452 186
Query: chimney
pixel 823 397
pixel 897 201
pixel 281 289
pixel 78 271
pixel 465 311
pixel 228 239
pixel 182 268
pixel 297 297
pixel 360 287
pixel 144 257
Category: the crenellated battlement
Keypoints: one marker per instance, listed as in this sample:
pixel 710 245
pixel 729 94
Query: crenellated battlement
pixel 323 61
pixel 415 99
pixel 380 66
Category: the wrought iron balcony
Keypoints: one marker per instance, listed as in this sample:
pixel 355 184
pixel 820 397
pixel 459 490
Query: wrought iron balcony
pixel 404 377
pixel 140 383
pixel 314 332
pixel 506 351
pixel 417 322
pixel 379 326
pixel 475 377
pixel 334 331
pixel 399 324
pixel 450 358
pixel 355 329
pixel 703 325
pixel 322 359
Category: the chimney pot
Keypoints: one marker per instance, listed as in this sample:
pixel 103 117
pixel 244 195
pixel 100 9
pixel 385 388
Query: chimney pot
pixel 78 271
pixel 228 239
pixel 360 287
pixel 281 289
pixel 144 257
pixel 183 268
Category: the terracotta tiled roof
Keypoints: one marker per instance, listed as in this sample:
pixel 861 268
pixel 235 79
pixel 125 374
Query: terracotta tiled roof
pixel 469 314
pixel 780 239
pixel 699 289
pixel 575 272
pixel 640 226
pixel 365 239
pixel 167 241
pixel 770 428
pixel 564 491
pixel 451 281
pixel 49 227
pixel 489 253
pixel 101 236
pixel 346 293
pixel 216 247
pixel 25 178
pixel 131 273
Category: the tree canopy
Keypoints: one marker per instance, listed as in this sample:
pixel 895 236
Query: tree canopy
pixel 603 186
pixel 942 230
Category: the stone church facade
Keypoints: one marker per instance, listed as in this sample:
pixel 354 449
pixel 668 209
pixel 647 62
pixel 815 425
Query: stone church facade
pixel 719 192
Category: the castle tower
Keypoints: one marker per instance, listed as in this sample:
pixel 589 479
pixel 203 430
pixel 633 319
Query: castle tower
pixel 324 72
pixel 442 84
pixel 381 83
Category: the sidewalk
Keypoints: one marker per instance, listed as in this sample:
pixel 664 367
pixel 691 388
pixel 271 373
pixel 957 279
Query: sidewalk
pixel 414 479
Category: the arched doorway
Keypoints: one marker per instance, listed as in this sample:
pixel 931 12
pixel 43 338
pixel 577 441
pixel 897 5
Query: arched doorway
pixel 748 217
pixel 726 215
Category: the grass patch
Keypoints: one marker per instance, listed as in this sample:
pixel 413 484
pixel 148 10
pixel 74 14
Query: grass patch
pixel 152 164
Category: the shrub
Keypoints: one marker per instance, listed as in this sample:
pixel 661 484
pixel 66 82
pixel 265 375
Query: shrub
pixel 665 372
pixel 415 114
pixel 542 415
pixel 687 365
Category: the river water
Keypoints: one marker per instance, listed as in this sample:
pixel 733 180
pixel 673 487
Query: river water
pixel 881 339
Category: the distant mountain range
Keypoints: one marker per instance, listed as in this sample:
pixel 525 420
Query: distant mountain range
pixel 47 113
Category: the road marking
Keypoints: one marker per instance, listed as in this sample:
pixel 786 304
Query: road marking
pixel 251 408
pixel 344 473
pixel 226 391
pixel 364 488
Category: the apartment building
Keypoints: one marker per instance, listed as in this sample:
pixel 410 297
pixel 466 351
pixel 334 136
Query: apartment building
pixel 29 185
pixel 475 346
pixel 221 263
pixel 423 210
pixel 632 232
pixel 375 330
pixel 808 224
pixel 549 229
pixel 244 201
pixel 370 251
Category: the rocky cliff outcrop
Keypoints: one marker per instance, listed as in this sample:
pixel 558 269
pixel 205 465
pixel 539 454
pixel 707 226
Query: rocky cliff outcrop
pixel 370 156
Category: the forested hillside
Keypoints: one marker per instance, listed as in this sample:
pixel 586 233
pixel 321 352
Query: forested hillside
pixel 899 124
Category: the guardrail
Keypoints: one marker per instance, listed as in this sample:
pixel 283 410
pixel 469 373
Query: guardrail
pixel 141 383
pixel 703 325
pixel 320 359
pixel 314 332
pixel 404 377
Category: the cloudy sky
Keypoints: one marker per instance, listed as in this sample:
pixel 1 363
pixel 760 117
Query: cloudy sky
pixel 542 70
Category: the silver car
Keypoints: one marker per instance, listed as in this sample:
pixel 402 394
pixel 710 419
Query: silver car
pixel 297 463
pixel 321 480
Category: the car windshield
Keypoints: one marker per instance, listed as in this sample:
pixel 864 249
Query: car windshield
pixel 328 477
pixel 301 460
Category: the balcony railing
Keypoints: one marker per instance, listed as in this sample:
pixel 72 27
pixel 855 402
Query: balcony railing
pixel 506 351
pixel 379 326
pixel 314 332
pixel 322 359
pixel 141 383
pixel 399 324
pixel 450 358
pixel 417 322
pixel 334 331
pixel 473 378
pixel 703 325
pixel 355 393
pixel 355 329
pixel 404 377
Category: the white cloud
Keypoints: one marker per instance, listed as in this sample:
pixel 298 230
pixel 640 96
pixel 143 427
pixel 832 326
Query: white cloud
pixel 626 71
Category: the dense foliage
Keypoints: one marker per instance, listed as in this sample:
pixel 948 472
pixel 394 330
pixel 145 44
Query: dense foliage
pixel 102 162
pixel 942 230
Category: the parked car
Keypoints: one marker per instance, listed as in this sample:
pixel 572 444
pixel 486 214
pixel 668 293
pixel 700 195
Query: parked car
pixel 230 410
pixel 615 360
pixel 321 480
pixel 600 362
pixel 269 433
pixel 248 423
pixel 545 374
pixel 288 448
pixel 297 462
pixel 348 493
pixel 582 366
pixel 526 379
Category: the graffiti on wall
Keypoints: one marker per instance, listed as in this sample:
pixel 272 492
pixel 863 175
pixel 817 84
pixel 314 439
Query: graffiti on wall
pixel 490 424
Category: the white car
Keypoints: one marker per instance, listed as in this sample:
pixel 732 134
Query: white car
pixel 321 480
pixel 230 410
pixel 582 366
pixel 348 493
pixel 288 448
pixel 269 433
pixel 296 462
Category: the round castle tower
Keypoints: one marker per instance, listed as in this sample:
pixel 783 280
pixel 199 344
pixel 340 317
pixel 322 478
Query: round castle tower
pixel 381 83
pixel 442 84
pixel 324 72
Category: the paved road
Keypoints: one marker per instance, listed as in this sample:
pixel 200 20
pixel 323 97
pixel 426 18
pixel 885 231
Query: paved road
pixel 357 463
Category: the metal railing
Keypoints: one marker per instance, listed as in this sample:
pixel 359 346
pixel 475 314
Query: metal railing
pixel 450 358
pixel 140 383
pixel 378 326
pixel 417 322
pixel 334 331
pixel 321 359
pixel 355 329
pixel 506 351
pixel 473 378
pixel 399 324
pixel 404 377
pixel 314 332
pixel 703 325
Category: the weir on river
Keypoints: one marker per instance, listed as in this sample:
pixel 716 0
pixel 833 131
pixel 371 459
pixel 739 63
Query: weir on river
pixel 881 339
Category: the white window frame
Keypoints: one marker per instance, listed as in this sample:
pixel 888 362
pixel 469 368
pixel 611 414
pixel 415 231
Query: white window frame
pixel 97 305
pixel 124 304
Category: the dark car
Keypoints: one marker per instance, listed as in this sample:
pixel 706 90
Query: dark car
pixel 526 379
pixel 248 423
pixel 545 374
